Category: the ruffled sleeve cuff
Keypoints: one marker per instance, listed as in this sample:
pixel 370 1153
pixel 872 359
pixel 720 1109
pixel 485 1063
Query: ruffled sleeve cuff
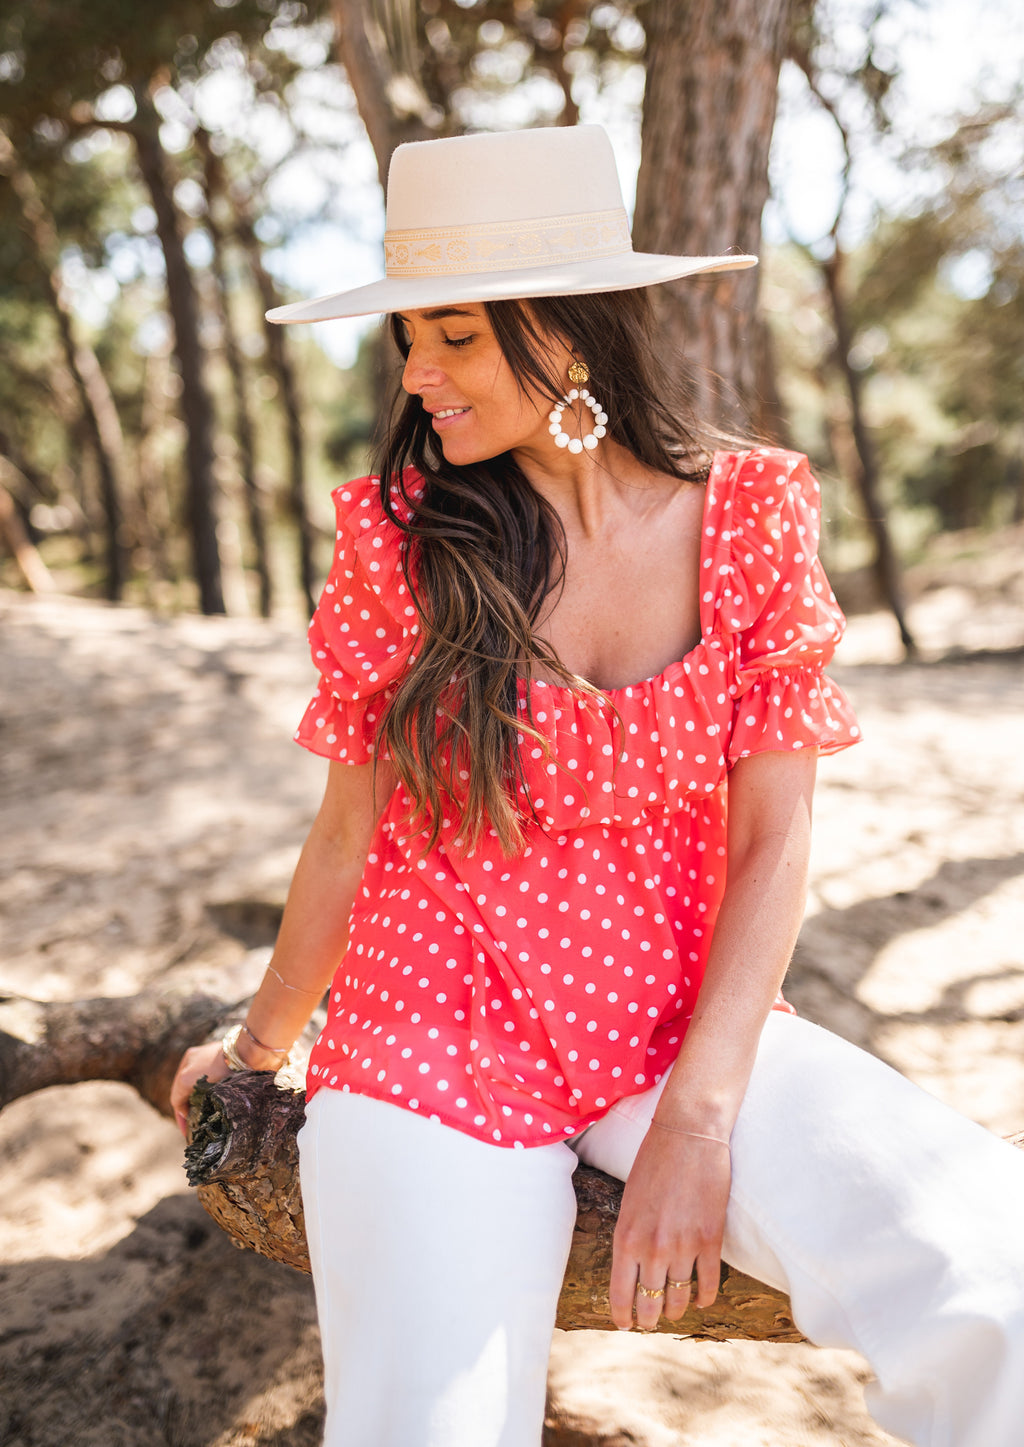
pixel 768 601
pixel 784 710
pixel 363 631
pixel 344 730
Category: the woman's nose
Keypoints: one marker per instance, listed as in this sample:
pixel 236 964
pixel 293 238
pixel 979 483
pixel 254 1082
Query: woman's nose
pixel 421 370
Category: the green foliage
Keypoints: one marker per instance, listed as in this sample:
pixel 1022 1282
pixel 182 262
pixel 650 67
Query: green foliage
pixel 69 51
pixel 72 76
pixel 942 371
pixel 944 291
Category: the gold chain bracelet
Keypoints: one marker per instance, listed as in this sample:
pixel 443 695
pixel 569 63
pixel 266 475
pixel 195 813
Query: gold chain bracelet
pixel 229 1049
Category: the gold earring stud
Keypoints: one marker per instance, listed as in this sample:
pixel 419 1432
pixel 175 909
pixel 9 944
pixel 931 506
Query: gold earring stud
pixel 579 373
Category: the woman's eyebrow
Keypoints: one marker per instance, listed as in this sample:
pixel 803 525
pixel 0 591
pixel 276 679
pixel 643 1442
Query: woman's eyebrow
pixel 438 314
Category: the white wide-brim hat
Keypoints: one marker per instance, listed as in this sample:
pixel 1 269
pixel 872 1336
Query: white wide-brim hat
pixel 502 215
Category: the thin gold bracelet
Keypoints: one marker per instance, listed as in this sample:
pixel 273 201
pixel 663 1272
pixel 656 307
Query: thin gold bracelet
pixel 298 989
pixel 229 1049
pixel 270 1049
pixel 694 1134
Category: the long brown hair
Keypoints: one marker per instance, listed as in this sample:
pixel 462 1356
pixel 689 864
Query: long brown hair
pixel 486 550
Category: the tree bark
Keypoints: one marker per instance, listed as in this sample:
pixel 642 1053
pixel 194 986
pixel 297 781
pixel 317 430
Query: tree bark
pixel 709 109
pixel 154 500
pixel 243 1159
pixel 137 1039
pixel 389 97
pixel 886 565
pixel 554 61
pixel 216 191
pixel 280 361
pixel 197 408
pixel 866 479
pixel 31 566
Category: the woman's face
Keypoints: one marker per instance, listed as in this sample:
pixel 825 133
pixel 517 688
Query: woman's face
pixel 457 369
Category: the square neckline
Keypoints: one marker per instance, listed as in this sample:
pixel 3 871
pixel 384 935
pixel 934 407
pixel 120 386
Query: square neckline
pixel 589 688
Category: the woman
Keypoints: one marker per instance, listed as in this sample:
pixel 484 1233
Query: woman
pixel 572 697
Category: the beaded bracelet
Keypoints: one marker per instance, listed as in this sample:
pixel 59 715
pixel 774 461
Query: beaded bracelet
pixel 229 1049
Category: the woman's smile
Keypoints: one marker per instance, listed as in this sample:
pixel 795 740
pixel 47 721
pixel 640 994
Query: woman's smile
pixel 446 415
pixel 453 350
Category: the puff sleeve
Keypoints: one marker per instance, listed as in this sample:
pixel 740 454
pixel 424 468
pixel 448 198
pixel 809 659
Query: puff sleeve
pixel 363 631
pixel 774 611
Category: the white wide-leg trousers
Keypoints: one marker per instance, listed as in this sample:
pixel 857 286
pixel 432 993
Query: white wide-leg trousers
pixel 895 1225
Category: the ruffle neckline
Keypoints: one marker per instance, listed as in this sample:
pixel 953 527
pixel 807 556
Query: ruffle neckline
pixel 749 491
pixel 623 755
pixel 620 756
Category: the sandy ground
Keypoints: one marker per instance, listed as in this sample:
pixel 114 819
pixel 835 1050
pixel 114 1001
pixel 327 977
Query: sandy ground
pixel 153 806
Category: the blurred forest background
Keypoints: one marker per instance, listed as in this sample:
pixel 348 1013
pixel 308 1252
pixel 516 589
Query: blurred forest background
pixel 168 173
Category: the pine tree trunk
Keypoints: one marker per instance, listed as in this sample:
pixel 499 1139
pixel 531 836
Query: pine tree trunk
pixel 216 191
pixel 137 1039
pixel 388 96
pixel 197 407
pixel 297 503
pixel 284 374
pixel 886 564
pixel 154 502
pixel 242 1153
pixel 243 1158
pixel 12 530
pixel 709 109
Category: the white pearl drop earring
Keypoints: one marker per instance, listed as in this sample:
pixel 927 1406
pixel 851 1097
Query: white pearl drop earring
pixel 578 373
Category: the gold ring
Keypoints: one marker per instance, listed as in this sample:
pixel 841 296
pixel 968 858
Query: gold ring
pixel 649 1290
pixel 679 1285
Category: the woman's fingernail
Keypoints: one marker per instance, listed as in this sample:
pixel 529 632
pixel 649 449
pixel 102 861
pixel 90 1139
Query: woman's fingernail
pixel 625 1328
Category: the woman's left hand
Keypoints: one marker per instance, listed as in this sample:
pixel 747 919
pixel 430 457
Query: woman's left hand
pixel 672 1217
pixel 200 1060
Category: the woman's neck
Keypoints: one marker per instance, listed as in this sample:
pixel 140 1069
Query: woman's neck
pixel 590 489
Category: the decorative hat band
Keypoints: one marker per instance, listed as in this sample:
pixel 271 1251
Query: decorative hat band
pixel 509 245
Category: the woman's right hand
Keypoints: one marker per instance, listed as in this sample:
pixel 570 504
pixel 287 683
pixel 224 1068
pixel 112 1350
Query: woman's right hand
pixel 201 1060
pixel 670 1226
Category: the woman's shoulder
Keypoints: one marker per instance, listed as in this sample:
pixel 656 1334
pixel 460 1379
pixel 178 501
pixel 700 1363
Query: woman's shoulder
pixel 761 529
pixel 359 503
pixel 763 473
pixel 368 575
pixel 763 492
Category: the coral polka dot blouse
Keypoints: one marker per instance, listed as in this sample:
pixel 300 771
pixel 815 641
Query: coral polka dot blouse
pixel 516 1000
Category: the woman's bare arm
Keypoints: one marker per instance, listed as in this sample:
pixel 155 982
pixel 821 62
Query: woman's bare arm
pixel 314 927
pixel 673 1207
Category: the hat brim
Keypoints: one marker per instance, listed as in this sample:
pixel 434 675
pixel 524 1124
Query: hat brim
pixel 608 273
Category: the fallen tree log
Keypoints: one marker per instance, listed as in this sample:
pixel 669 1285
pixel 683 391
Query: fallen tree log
pixel 137 1039
pixel 242 1155
pixel 243 1159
